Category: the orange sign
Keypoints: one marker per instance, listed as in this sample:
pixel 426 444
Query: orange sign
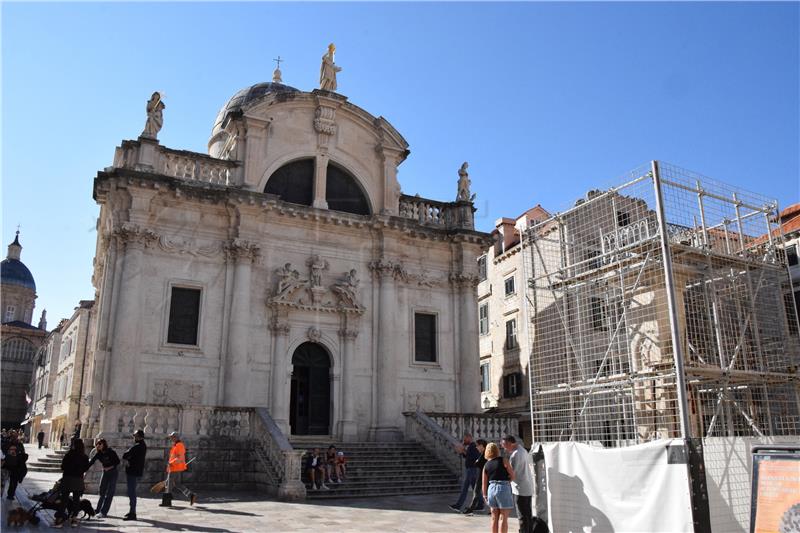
pixel 778 496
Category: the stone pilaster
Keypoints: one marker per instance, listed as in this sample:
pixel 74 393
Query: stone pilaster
pixel 348 428
pixel 237 358
pixel 469 352
pixel 388 398
pixel 320 181
pixel 280 374
pixel 126 343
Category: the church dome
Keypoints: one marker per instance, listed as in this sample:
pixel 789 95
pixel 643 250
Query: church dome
pixel 14 272
pixel 249 96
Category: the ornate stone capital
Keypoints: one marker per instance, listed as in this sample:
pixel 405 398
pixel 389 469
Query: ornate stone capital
pixel 459 280
pixel 348 334
pixel 383 268
pixel 278 326
pixel 134 236
pixel 240 249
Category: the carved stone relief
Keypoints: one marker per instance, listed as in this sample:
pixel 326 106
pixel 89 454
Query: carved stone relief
pixel 425 401
pixel 175 391
pixel 312 293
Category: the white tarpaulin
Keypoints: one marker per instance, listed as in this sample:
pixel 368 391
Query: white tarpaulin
pixel 631 489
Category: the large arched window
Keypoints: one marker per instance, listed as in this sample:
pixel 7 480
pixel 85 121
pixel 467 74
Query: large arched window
pixel 343 193
pixel 18 350
pixel 293 182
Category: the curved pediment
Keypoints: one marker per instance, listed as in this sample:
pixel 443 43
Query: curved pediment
pixel 274 128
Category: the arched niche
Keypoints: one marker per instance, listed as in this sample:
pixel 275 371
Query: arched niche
pixel 293 182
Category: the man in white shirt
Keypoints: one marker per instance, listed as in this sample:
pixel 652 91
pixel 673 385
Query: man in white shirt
pixel 522 486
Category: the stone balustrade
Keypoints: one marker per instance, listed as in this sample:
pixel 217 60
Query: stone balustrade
pixel 149 156
pixel 283 464
pixel 191 421
pixel 441 433
pixel 427 212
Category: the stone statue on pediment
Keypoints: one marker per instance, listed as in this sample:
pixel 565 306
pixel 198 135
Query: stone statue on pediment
pixel 155 117
pixel 328 70
pixel 317 265
pixel 288 281
pixel 464 183
pixel 347 289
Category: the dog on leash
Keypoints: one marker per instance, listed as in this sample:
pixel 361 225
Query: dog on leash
pixel 17 517
pixel 86 508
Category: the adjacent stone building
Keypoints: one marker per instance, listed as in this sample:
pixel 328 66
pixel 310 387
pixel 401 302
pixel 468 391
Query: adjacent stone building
pixel 20 339
pixel 284 270
pixel 44 375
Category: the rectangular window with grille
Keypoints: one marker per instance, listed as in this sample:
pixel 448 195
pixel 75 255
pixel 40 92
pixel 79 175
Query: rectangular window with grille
pixel 482 267
pixel 485 377
pixel 483 313
pixel 512 385
pixel 791 255
pixel 424 338
pixel 623 219
pixel 184 316
pixel 10 310
pixel 511 334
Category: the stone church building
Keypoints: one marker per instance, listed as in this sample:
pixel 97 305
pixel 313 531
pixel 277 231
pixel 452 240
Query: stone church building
pixel 283 270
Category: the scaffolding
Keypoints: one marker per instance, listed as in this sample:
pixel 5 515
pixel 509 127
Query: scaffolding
pixel 661 308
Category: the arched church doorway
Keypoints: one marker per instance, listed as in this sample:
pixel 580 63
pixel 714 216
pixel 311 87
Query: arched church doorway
pixel 310 406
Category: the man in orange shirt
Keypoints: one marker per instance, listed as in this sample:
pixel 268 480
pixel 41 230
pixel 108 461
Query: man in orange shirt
pixel 175 469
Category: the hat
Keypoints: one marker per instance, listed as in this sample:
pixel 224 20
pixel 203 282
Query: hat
pixel 174 434
pixel 138 433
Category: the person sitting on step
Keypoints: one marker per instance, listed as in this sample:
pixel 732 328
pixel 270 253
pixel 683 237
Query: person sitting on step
pixel 315 470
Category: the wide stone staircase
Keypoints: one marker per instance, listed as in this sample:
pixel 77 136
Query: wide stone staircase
pixel 381 469
pixel 48 463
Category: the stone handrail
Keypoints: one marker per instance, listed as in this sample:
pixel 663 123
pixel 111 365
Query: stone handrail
pixel 427 212
pixel 282 462
pixel 487 426
pixel 421 428
pixel 190 166
pixel 191 421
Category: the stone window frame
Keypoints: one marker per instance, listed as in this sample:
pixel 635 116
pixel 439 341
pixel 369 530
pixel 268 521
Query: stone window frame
pixel 413 352
pixel 486 376
pixel 11 310
pixel 511 340
pixel 192 350
pixel 512 279
pixel 483 322
pixel 483 268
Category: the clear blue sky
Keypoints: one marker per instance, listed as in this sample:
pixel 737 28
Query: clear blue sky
pixel 545 101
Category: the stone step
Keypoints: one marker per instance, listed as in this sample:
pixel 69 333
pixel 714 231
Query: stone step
pixel 375 492
pixel 408 479
pixel 38 468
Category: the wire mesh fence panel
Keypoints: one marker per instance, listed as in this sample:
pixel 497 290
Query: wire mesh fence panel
pixel 602 356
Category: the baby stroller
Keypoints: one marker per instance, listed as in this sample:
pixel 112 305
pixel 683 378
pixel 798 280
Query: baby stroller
pixel 47 500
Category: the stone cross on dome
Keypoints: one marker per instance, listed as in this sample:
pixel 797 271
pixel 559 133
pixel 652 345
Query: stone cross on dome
pixel 276 75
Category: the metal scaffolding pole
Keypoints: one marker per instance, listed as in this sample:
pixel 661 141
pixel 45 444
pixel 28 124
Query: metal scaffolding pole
pixel 677 346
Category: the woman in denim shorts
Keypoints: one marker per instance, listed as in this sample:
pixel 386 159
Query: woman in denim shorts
pixel 497 478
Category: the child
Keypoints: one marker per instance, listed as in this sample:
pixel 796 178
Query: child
pixel 341 466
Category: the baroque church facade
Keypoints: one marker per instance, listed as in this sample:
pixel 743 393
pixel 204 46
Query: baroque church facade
pixel 285 270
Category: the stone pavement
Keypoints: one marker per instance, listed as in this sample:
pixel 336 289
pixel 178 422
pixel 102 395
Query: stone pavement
pixel 253 512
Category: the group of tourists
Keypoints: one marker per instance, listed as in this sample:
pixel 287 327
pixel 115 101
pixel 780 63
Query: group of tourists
pixel 70 489
pixel 502 481
pixel 328 468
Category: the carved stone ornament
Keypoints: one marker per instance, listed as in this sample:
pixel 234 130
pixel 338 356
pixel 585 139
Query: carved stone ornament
pixel 175 391
pixel 312 294
pixel 155 117
pixel 314 334
pixel 325 120
pixel 188 246
pixel 381 268
pixel 425 401
pixel 278 327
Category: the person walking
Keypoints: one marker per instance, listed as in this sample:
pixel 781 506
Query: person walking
pixel 497 477
pixel 73 466
pixel 470 453
pixel 40 438
pixel 522 486
pixel 135 457
pixel 175 469
pixel 477 493
pixel 15 467
pixel 108 481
